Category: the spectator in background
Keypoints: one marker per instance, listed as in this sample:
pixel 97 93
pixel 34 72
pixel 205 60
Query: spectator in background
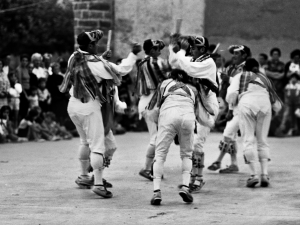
pixel 4 86
pixel 59 101
pixel 47 58
pixel 275 71
pixel 38 70
pixel 44 95
pixel 34 81
pixel 6 65
pixel 6 129
pixel 289 124
pixel 50 124
pixel 292 66
pixel 14 98
pixel 263 62
pixel 22 73
pixel 33 98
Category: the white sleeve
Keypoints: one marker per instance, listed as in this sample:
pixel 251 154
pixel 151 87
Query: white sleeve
pixel 119 106
pixel 173 60
pixel 233 91
pixel 126 65
pixel 18 87
pixel 197 70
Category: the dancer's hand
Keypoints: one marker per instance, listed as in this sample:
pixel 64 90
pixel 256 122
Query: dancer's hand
pixel 229 115
pixel 136 48
pixel 107 54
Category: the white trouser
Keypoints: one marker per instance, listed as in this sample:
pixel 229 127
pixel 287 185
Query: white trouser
pixel 172 121
pixel 110 145
pixel 232 127
pixel 254 124
pixel 200 137
pixel 87 118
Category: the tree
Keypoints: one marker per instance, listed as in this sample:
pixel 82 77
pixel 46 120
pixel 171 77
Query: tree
pixel 43 26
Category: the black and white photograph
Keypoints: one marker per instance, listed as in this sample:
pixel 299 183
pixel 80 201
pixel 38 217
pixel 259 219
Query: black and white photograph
pixel 149 112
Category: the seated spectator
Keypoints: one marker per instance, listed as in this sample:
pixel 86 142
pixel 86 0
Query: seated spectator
pixel 263 62
pixel 32 130
pixel 275 71
pixel 50 124
pixel 14 98
pixel 4 86
pixel 38 70
pixel 289 124
pixel 33 98
pixel 59 101
pixel 44 95
pixel 6 130
pixel 293 66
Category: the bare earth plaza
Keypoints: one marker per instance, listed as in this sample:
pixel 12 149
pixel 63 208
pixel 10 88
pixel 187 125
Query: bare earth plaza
pixel 146 112
pixel 42 191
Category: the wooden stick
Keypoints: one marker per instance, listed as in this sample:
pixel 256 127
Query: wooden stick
pixel 108 40
pixel 178 26
pixel 216 48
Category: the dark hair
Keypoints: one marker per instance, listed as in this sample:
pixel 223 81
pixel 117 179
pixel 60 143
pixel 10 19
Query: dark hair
pixel 265 56
pixel 51 115
pixel 294 53
pixel 294 75
pixel 275 50
pixel 23 56
pixel 42 79
pixel 32 88
pixel 180 75
pixel 4 108
pixel 34 112
pixel 250 64
pixel 212 47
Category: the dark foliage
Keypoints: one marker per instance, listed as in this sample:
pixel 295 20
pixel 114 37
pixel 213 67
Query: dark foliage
pixel 44 27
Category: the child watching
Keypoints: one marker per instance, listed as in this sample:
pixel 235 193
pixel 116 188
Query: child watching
pixel 292 103
pixel 50 124
pixel 4 86
pixel 33 98
pixel 44 95
pixel 14 98
pixel 6 129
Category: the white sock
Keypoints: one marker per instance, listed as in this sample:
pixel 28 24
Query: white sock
pixel 264 166
pixel 97 164
pixel 252 166
pixel 186 168
pixel 158 168
pixel 84 166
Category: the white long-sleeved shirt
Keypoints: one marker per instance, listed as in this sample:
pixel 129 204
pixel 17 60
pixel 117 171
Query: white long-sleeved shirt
pixel 255 94
pixel 99 71
pixel 15 91
pixel 203 70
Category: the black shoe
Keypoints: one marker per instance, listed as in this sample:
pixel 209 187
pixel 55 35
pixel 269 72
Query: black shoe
pixel 185 194
pixel 156 199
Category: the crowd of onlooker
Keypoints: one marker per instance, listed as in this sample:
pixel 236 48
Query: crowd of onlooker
pixel 31 106
pixel 285 77
pixel 33 109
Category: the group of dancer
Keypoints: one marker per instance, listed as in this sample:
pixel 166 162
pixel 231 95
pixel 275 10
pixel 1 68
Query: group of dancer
pixel 178 100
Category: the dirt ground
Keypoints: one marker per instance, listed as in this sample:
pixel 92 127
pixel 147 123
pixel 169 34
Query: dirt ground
pixel 37 187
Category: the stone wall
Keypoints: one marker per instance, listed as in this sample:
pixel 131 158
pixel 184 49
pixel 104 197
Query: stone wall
pixel 93 14
pixel 260 24
pixel 138 20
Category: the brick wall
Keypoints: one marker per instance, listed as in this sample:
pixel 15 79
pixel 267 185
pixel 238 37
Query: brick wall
pixel 93 14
